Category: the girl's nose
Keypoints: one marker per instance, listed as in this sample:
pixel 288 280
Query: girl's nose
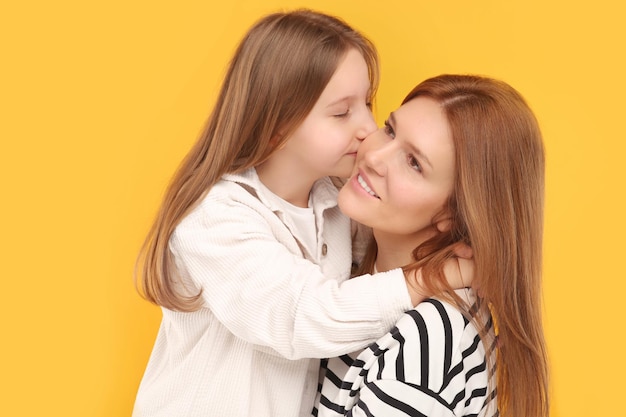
pixel 367 126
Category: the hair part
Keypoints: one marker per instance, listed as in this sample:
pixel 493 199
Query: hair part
pixel 274 79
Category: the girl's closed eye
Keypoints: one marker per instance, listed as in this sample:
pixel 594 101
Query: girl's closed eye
pixel 342 114
pixel 389 130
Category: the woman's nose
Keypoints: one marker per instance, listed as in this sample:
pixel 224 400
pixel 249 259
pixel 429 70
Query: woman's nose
pixel 376 152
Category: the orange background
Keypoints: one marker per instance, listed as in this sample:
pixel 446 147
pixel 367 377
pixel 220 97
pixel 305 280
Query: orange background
pixel 100 101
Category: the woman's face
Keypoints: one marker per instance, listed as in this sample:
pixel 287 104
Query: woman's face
pixel 404 174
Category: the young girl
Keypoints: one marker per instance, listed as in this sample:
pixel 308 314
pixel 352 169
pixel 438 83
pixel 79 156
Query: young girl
pixel 249 256
pixel 461 160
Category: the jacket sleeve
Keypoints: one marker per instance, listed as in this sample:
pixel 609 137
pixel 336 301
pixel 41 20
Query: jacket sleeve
pixel 270 296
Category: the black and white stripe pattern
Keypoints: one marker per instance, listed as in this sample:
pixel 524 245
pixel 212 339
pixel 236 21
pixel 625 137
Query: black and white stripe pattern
pixel 432 363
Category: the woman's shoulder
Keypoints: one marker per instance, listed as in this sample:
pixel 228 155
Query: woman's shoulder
pixel 440 331
pixel 435 313
pixel 438 347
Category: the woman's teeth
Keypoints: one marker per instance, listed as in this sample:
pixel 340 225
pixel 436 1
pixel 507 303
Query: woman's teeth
pixel 365 186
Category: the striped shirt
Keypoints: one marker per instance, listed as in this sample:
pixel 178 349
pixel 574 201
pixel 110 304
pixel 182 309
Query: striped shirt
pixel 432 363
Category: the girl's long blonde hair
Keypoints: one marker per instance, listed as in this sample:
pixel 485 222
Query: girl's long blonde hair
pixel 277 73
pixel 496 207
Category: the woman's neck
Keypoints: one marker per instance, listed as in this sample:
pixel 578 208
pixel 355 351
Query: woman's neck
pixel 396 251
pixel 388 259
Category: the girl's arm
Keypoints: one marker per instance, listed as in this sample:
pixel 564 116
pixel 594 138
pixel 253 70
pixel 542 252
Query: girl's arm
pixel 267 294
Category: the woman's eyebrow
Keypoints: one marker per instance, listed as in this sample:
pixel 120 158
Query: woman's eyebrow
pixel 415 150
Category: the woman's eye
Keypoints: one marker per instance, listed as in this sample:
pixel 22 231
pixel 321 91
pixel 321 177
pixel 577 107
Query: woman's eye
pixel 389 130
pixel 414 163
pixel 343 114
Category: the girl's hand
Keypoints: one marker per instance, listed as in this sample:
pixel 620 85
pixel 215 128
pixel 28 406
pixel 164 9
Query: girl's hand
pixel 459 272
pixel 462 250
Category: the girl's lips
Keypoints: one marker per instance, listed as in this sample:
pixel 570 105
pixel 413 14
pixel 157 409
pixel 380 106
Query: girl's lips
pixel 360 180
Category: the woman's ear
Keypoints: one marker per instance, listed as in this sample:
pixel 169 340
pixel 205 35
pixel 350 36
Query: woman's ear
pixel 444 224
pixel 278 141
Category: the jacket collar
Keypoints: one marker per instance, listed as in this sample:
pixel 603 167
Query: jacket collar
pixel 324 192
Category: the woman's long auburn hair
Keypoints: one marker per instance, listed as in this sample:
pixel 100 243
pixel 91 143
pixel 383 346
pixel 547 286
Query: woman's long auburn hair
pixel 275 77
pixel 496 207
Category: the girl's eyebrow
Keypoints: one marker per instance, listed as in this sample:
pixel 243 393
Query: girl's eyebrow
pixel 350 98
pixel 416 151
pixel 340 101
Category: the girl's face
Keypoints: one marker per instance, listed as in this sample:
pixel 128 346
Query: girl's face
pixel 403 176
pixel 326 142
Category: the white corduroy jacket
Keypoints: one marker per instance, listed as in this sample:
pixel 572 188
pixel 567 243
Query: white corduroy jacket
pixel 270 306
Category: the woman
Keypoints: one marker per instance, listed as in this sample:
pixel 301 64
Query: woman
pixel 461 160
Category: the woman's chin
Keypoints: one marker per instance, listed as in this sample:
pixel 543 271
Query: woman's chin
pixel 352 206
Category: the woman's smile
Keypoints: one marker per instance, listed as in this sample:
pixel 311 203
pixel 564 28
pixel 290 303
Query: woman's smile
pixel 365 186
